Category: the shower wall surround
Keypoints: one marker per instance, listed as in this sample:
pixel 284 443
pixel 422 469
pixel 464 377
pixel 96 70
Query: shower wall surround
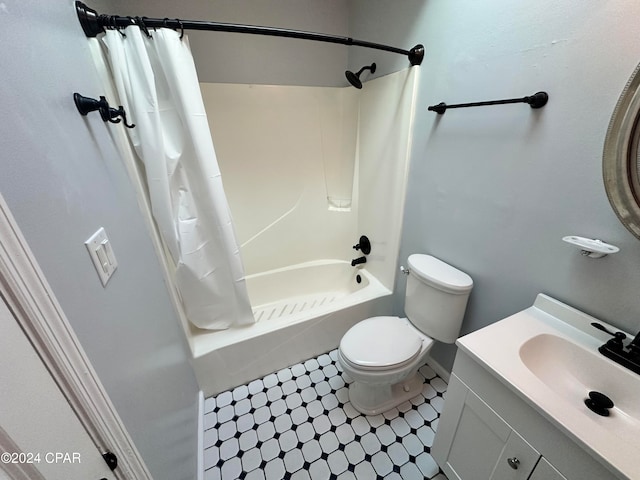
pixel 385 139
pixel 283 151
pixel 307 170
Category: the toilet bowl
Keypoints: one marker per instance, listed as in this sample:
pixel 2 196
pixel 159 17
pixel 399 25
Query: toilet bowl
pixel 383 354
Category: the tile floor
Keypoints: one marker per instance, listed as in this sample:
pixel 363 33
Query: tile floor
pixel 298 423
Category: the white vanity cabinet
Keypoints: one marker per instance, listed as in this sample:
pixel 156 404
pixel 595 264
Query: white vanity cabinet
pixel 545 471
pixel 486 432
pixel 474 442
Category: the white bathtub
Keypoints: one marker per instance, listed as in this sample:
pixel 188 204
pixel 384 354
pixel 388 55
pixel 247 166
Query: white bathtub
pixel 300 311
pixel 304 291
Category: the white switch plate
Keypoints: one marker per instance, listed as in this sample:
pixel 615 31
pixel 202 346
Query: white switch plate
pixel 102 255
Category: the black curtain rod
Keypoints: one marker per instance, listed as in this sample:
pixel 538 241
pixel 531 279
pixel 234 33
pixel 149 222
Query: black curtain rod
pixel 93 23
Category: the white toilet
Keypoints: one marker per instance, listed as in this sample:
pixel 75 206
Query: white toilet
pixel 382 354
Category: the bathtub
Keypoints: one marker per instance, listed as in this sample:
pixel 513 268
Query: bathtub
pixel 305 291
pixel 301 311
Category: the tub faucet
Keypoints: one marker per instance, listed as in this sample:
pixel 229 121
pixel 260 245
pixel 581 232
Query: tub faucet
pixel 358 261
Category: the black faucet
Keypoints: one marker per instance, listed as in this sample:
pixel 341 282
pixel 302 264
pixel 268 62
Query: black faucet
pixel 358 261
pixel 627 356
pixel 364 245
pixel 634 346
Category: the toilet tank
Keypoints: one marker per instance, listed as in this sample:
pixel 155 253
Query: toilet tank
pixel 436 297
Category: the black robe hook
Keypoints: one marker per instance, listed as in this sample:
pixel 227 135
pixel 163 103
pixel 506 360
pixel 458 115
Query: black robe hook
pixel 108 113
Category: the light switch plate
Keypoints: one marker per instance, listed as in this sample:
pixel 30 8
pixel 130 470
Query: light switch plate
pixel 102 255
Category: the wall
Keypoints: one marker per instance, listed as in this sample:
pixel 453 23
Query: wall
pixel 493 190
pixel 62 179
pixel 239 58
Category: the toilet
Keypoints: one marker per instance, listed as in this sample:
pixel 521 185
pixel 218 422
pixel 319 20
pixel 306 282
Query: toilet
pixel 382 354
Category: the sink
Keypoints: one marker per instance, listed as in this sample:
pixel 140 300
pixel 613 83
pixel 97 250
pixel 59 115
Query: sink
pixel 572 371
pixel 548 355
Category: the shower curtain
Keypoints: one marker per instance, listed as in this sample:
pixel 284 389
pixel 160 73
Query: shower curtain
pixel 156 82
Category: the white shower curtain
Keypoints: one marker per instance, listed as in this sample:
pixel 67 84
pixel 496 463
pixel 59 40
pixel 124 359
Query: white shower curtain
pixel 156 81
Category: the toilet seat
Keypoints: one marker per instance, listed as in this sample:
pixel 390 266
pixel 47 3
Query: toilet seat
pixel 381 343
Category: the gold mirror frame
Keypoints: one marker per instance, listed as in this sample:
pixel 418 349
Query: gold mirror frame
pixel 621 160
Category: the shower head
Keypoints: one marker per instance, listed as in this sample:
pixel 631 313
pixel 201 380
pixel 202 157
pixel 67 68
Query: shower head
pixel 354 78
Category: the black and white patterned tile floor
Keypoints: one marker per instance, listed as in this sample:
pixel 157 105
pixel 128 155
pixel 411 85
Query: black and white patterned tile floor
pixel 298 424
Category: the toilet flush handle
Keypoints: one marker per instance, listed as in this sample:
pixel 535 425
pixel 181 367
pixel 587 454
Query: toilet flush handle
pixel 404 270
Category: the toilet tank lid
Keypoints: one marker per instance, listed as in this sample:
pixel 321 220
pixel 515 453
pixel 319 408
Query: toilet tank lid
pixel 439 274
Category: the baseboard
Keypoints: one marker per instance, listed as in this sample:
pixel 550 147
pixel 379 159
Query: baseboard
pixel 200 454
pixel 439 369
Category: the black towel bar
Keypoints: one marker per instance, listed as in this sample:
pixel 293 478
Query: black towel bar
pixel 537 100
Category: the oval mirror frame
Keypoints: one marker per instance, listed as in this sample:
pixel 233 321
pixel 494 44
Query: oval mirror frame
pixel 621 156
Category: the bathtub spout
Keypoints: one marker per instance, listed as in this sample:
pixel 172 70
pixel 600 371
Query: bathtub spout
pixel 358 261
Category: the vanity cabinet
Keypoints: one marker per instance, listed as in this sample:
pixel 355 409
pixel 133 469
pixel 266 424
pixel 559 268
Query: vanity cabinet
pixel 477 443
pixel 545 471
pixel 487 432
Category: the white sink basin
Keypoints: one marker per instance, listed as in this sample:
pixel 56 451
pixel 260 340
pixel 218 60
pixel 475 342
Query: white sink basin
pixel 572 371
pixel 548 355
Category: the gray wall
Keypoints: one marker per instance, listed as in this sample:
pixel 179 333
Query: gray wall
pixel 236 58
pixel 62 179
pixel 493 190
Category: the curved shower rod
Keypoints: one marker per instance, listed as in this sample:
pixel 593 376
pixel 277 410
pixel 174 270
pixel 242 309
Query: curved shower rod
pixel 93 23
